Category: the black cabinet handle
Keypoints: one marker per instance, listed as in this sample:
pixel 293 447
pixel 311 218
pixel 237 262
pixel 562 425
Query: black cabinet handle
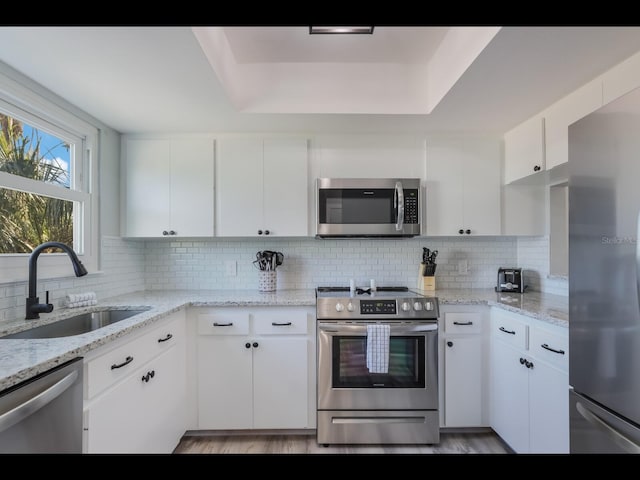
pixel 216 324
pixel 460 231
pixel 528 364
pixel 148 376
pixel 172 232
pixel 522 360
pixel 164 232
pixel 255 344
pixel 276 324
pixel 449 344
pixel 152 373
pixel 247 345
pixel 536 168
pixel 547 347
pixel 168 337
pixel 127 361
pixel 259 232
pixel 463 323
pixel 266 232
pixel 502 329
pixel 467 231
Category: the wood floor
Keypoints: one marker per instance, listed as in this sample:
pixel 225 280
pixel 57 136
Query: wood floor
pixel 450 443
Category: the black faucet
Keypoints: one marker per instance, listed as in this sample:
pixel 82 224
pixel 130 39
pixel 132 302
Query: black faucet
pixel 34 308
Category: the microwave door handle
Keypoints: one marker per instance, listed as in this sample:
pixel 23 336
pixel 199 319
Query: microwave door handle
pixel 400 205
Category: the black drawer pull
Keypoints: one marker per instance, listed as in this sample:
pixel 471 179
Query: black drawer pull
pixel 276 324
pixel 502 329
pixel 547 347
pixel 463 323
pixel 216 324
pixel 168 337
pixel 127 361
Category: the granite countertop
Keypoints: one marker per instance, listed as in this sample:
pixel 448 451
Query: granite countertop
pixel 553 309
pixel 21 359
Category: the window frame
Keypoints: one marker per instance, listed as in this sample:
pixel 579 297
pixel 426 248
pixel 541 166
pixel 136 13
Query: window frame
pixel 28 106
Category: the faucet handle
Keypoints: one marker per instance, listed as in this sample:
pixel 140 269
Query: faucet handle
pixel 47 297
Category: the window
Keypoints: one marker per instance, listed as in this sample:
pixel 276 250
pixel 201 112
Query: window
pixel 46 186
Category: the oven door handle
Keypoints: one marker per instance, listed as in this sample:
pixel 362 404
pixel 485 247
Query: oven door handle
pixel 333 328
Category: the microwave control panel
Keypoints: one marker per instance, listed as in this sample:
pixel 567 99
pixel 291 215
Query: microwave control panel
pixel 410 206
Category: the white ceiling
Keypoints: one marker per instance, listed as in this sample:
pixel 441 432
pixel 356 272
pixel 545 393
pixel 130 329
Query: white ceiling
pixel 294 44
pixel 158 79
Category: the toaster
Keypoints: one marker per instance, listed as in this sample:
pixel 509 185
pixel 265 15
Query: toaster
pixel 510 280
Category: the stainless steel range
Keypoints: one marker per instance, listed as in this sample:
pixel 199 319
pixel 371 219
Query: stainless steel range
pixel 377 354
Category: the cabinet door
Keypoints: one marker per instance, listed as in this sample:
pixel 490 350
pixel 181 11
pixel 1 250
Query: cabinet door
pixel 147 172
pixel 444 189
pixel 481 187
pixel 524 150
pixel 285 187
pixel 141 417
pixel 509 396
pixel 225 395
pixel 280 369
pixel 563 113
pixel 239 180
pixel 549 409
pixel 463 381
pixel 192 187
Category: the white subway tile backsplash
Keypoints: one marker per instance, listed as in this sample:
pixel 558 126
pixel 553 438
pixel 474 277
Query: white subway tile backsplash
pixel 133 265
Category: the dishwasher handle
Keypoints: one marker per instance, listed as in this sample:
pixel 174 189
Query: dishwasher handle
pixel 31 406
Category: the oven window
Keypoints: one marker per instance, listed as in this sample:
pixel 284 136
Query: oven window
pixel 406 363
pixel 345 206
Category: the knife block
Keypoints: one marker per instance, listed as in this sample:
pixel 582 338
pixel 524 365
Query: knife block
pixel 426 283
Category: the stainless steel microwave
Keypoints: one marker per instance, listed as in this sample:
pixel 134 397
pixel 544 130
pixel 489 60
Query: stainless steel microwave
pixel 368 207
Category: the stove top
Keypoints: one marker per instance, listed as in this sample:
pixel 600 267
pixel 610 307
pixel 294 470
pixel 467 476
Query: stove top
pixel 383 303
pixel 343 292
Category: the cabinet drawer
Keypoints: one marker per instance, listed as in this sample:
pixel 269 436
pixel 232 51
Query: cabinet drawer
pixel 281 323
pixel 462 322
pixel 109 368
pixel 506 328
pixel 552 347
pixel 223 323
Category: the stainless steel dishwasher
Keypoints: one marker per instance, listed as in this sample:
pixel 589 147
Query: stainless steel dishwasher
pixel 44 414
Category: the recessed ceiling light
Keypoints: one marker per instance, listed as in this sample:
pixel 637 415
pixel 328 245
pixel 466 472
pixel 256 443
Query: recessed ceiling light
pixel 343 29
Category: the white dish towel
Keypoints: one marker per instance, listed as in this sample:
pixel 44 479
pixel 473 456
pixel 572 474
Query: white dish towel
pixel 87 299
pixel 378 348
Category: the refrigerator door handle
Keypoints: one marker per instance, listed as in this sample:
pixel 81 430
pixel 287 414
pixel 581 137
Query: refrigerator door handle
pixel 616 436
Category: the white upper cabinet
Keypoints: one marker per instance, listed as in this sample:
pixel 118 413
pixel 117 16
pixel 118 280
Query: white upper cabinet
pixel 169 187
pixel 262 187
pixel 524 150
pixel 561 114
pixel 463 186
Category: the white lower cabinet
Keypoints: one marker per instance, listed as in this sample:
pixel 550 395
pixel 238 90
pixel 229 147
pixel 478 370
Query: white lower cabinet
pixel 256 368
pixel 463 366
pixel 139 402
pixel 529 383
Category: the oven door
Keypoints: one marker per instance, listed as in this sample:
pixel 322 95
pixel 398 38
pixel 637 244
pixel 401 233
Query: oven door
pixel 344 382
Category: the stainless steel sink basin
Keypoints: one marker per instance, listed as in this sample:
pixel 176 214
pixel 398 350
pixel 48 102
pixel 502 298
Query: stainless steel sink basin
pixel 83 323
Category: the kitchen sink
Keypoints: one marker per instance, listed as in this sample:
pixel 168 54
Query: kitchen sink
pixel 83 323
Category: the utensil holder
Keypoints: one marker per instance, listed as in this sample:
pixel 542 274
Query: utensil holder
pixel 267 280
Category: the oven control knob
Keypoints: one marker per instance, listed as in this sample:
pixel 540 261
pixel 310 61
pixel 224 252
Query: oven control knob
pixel 417 306
pixel 350 307
pixel 339 307
pixel 428 306
pixel 406 306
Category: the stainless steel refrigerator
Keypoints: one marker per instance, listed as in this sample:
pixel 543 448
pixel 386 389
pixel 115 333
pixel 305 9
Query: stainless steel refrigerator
pixel 604 279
